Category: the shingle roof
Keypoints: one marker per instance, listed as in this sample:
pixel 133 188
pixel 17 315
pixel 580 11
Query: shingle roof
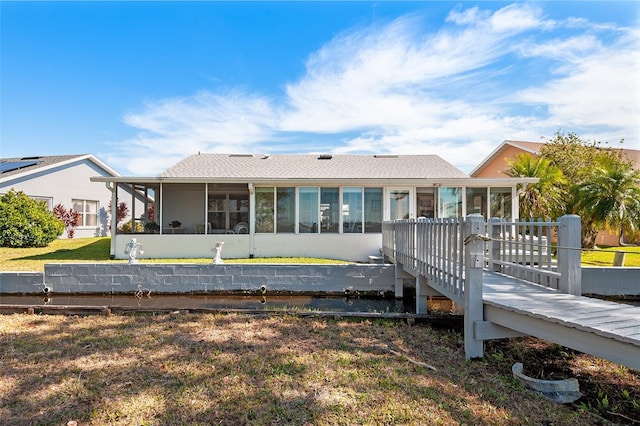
pixel 40 162
pixel 527 146
pixel 36 163
pixel 303 166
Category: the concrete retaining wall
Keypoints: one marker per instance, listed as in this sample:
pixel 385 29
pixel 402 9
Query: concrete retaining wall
pixel 611 281
pixel 188 278
pixel 21 282
pixel 192 278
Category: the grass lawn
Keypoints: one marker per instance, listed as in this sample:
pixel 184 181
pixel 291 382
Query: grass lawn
pixel 234 369
pixel 604 256
pixel 97 250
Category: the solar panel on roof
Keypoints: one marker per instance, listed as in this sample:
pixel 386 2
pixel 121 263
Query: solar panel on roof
pixel 10 166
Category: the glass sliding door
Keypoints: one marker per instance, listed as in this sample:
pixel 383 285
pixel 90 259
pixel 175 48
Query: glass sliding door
pixel 372 210
pixel 399 204
pixel 286 210
pixel 308 209
pixel 330 210
pixel 264 210
pixel 501 203
pixel 477 201
pixel 450 202
pixel 352 210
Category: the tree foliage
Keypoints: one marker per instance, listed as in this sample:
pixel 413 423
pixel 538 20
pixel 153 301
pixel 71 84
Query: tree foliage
pixel 611 196
pixel 70 218
pixel 25 222
pixel 544 198
pixel 121 212
pixel 599 184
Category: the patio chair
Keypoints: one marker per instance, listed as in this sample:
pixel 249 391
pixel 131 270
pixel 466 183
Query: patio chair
pixel 241 228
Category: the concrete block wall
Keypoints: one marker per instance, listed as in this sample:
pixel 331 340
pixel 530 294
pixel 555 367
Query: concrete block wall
pixel 21 282
pixel 192 278
pixel 611 281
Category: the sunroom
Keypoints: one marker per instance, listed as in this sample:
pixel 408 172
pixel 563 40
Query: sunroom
pixel 298 205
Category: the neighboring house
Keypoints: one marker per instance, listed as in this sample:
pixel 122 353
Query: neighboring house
pixel 301 205
pixel 497 162
pixel 65 179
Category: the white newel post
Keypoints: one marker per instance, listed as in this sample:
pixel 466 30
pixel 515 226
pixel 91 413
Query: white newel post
pixel 569 245
pixel 473 265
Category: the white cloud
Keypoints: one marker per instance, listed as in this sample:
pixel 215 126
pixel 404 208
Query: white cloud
pixel 598 88
pixel 403 87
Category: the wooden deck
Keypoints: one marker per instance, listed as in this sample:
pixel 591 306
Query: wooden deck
pixel 605 329
pixel 506 295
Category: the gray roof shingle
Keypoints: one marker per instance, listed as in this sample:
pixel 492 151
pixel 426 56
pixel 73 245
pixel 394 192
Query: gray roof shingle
pixel 40 162
pixel 311 166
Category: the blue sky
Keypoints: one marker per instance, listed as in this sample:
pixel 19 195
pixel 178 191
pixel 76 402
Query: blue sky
pixel 144 84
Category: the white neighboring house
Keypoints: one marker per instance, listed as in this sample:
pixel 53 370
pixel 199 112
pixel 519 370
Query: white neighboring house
pixel 65 179
pixel 327 205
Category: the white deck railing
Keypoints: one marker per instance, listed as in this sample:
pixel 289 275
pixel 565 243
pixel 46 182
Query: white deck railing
pixel 434 248
pixel 451 255
pixel 523 250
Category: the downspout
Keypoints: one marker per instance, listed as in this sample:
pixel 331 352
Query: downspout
pixel 113 225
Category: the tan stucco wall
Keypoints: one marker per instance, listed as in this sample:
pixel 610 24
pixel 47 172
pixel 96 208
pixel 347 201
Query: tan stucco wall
pixel 495 168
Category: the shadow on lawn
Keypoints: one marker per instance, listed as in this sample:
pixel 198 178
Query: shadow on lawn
pixel 232 369
pixel 98 251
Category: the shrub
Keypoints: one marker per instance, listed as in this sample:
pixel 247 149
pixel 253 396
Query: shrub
pixel 25 222
pixel 125 228
pixel 69 217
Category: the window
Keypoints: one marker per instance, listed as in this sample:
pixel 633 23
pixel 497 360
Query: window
pixel 264 210
pixel 450 202
pixel 425 201
pixel 330 210
pixel 308 210
pixel 88 211
pixel 399 204
pixel 286 213
pixel 227 210
pixel 352 210
pixel 48 201
pixel 501 203
pixel 372 210
pixel 477 201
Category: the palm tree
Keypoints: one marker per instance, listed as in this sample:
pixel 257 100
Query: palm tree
pixel 611 198
pixel 545 198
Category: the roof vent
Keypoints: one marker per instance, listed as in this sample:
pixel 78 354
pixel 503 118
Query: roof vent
pixel 30 158
pixel 325 157
pixel 385 156
pixel 240 155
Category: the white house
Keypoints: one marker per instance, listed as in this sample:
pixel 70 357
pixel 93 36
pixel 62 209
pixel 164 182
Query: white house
pixel 301 205
pixel 65 179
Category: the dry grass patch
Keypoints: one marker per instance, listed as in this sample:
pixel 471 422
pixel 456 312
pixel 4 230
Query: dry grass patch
pixel 235 369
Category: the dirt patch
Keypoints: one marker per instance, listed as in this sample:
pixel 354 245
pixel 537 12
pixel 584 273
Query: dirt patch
pixel 610 390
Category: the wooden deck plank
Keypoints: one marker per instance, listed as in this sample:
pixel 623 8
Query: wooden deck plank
pixel 613 316
pixel 602 316
pixel 597 316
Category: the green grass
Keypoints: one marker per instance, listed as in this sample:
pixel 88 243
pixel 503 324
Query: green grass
pixel 97 250
pixel 603 256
